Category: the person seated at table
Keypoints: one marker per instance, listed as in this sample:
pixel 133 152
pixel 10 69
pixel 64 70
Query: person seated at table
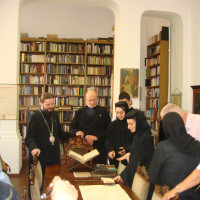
pixel 141 150
pixel 119 136
pixel 62 189
pixel 176 157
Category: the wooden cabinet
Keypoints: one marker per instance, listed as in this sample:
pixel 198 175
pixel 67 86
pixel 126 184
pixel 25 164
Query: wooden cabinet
pixel 196 99
pixel 156 82
pixel 66 69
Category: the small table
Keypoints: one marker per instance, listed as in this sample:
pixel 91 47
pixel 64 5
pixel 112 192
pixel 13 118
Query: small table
pixel 61 170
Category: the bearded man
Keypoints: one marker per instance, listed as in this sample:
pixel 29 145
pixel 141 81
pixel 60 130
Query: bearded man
pixel 44 133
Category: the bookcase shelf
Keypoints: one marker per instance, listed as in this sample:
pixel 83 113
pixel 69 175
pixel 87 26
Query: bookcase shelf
pixel 65 68
pixel 156 82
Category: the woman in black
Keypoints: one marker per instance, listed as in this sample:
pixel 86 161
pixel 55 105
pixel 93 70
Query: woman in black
pixel 119 136
pixel 141 149
pixel 176 157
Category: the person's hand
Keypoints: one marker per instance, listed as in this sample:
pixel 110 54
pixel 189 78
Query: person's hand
pixel 63 190
pixel 80 133
pixel 122 151
pixel 170 194
pixel 90 139
pixel 35 152
pixel 111 154
pixel 125 157
pixel 118 179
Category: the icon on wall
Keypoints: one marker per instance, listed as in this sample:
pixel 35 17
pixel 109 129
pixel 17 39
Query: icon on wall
pixel 129 80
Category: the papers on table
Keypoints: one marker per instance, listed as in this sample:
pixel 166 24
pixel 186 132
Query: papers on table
pixel 103 192
pixel 107 180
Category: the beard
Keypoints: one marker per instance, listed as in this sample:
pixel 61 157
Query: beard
pixel 48 111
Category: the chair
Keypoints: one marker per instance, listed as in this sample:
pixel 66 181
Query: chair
pixel 141 184
pixel 34 186
pixel 120 168
pixel 160 191
pixel 36 179
pixel 38 171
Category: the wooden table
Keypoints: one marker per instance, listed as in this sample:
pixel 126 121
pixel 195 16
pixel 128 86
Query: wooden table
pixel 61 170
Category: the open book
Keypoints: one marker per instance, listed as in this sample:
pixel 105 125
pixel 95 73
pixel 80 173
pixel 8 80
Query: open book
pixel 86 157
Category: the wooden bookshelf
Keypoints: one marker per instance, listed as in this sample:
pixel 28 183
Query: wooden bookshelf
pixel 66 69
pixel 156 81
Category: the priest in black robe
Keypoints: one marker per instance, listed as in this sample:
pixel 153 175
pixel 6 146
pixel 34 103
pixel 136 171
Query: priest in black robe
pixel 44 133
pixel 119 137
pixel 93 122
pixel 141 150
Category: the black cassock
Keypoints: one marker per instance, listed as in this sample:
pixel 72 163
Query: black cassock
pixel 93 121
pixel 141 150
pixel 118 135
pixel 38 137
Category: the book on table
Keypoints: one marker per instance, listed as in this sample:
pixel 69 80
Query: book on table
pixel 84 158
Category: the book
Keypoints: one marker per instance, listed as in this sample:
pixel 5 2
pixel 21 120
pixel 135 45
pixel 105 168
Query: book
pixel 82 174
pixel 86 157
pixel 107 180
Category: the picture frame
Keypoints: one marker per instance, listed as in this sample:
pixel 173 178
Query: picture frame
pixel 129 81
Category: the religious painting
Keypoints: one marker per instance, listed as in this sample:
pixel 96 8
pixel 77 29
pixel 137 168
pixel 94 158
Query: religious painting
pixel 129 80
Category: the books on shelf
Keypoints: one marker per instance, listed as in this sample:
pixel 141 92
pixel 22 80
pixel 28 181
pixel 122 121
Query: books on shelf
pixel 86 157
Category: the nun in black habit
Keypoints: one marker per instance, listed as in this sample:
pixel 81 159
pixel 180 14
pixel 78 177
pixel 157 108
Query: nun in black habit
pixel 176 157
pixel 119 137
pixel 141 149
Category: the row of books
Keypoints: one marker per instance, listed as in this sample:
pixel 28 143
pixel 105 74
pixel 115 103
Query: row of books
pixel 105 101
pixel 153 50
pixel 152 92
pixel 66 116
pixel 100 70
pixel 153 71
pixel 99 60
pixel 154 103
pixel 99 48
pixel 102 91
pixel 65 79
pixel 26 90
pixel 155 81
pixel 155 38
pixel 152 113
pixel 25 101
pixel 30 79
pixel 65 47
pixel 32 46
pixel 71 69
pixel 30 57
pixel 152 61
pixel 65 90
pixel 24 115
pixel 65 58
pixel 65 128
pixel 98 80
pixel 31 68
pixel 153 124
pixel 74 101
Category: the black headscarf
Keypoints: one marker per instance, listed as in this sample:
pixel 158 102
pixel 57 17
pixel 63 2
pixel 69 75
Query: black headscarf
pixel 123 105
pixel 141 123
pixel 174 129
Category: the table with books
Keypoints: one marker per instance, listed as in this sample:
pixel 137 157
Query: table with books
pixel 90 182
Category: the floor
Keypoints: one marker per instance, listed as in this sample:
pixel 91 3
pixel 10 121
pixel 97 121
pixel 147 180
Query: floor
pixel 20 182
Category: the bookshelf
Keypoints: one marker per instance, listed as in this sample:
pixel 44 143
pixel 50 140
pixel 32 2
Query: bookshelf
pixel 156 81
pixel 66 68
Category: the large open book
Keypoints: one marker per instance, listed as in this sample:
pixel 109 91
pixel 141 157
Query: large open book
pixel 86 157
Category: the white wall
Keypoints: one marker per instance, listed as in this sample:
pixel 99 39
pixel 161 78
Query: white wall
pixel 66 20
pixel 127 44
